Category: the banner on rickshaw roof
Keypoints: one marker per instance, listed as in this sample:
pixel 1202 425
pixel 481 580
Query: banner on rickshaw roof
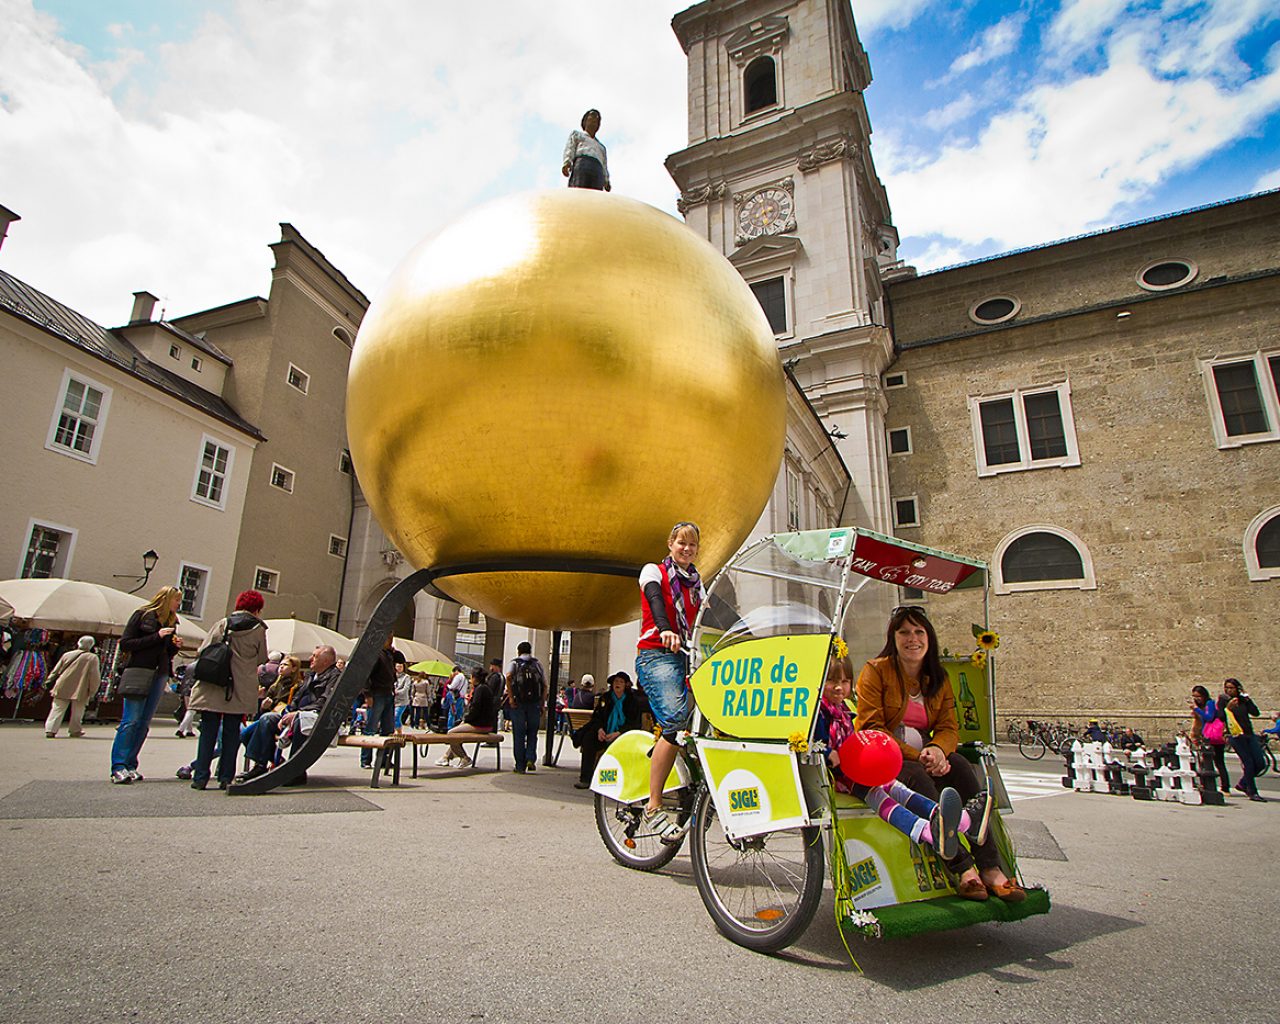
pixel 887 558
pixel 756 786
pixel 763 689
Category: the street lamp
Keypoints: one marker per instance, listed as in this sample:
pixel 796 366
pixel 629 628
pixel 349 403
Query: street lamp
pixel 149 560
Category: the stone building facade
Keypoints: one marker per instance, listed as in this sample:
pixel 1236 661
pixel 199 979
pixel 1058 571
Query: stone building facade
pixel 1078 441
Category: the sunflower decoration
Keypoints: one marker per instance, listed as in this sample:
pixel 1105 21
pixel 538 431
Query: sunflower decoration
pixel 987 641
pixel 839 649
pixel 798 743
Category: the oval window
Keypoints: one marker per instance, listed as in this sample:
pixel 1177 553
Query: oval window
pixel 1164 274
pixel 994 310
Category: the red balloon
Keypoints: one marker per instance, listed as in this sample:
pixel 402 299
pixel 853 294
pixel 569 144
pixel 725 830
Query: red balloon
pixel 871 758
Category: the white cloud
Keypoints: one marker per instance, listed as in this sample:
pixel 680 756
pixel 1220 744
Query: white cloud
pixel 1267 182
pixel 1071 154
pixel 1000 39
pixel 1081 23
pixel 367 126
pixel 955 111
pixel 872 15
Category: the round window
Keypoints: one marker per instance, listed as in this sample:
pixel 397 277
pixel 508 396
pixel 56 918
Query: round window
pixel 1163 274
pixel 994 310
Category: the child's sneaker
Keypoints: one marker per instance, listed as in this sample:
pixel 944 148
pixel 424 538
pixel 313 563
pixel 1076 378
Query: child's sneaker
pixel 979 811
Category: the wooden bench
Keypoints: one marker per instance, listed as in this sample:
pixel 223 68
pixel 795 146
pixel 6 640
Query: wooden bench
pixel 386 752
pixel 578 717
pixel 417 738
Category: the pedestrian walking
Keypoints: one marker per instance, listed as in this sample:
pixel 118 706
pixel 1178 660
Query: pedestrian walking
pixel 72 683
pixel 527 685
pixel 150 640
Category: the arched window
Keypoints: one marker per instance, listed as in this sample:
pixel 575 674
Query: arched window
pixel 761 81
pixel 1042 558
pixel 1262 545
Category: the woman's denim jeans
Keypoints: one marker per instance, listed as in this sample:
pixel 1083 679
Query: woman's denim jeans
pixel 135 723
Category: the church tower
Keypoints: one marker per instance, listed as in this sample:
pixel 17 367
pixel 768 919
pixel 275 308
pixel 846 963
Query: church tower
pixel 778 174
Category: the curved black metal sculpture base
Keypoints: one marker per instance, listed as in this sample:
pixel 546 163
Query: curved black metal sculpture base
pixel 356 674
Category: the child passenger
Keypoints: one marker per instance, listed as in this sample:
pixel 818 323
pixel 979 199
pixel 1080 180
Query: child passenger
pixel 912 814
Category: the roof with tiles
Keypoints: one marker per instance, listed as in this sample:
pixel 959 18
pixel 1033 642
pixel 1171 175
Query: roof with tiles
pixel 21 300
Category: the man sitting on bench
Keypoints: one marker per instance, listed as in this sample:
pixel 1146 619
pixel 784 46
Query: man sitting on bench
pixel 481 719
pixel 260 738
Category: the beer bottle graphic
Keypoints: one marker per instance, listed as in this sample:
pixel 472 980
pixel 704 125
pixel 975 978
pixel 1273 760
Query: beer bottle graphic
pixel 968 706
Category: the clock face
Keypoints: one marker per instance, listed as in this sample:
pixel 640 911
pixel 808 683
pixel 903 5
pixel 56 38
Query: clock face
pixel 766 213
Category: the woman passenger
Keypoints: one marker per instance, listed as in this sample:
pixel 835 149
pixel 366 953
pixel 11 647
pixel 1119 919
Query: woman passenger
pixel 905 692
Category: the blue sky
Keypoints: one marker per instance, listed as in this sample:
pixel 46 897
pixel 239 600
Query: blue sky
pixel 157 143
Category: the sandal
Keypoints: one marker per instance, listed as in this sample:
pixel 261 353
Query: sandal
pixel 1008 890
pixel 972 889
pixel 661 824
pixel 944 824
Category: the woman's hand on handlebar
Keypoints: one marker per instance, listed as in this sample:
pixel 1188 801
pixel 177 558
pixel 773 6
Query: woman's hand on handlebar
pixel 670 640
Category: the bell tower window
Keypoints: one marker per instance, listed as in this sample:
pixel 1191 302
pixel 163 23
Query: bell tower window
pixel 761 84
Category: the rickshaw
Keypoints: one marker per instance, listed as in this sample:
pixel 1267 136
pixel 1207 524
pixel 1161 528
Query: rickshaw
pixel 753 785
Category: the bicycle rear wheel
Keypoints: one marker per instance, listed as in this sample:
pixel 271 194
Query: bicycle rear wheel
pixel 624 835
pixel 761 892
pixel 1032 747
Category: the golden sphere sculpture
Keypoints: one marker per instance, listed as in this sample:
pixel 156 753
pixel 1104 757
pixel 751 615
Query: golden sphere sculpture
pixel 564 375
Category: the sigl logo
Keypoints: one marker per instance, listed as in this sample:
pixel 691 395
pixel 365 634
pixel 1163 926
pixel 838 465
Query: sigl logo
pixel 608 776
pixel 744 801
pixel 864 875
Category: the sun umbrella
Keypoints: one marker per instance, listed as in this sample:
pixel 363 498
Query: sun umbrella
pixel 75 605
pixel 432 667
pixel 6 611
pixel 416 650
pixel 299 638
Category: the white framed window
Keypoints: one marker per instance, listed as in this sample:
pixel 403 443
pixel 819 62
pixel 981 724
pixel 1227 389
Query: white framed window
pixel 906 511
pixel 80 418
pixel 774 295
pixel 266 580
pixel 175 352
pixel 793 497
pixel 1030 428
pixel 995 309
pixel 197 363
pixel 900 441
pixel 298 379
pixel 327 619
pixel 897 379
pixel 344 462
pixel 213 470
pixel 1162 275
pixel 1262 545
pixel 1042 557
pixel 1244 398
pixel 193 582
pixel 46 552
pixel 281 477
pixel 337 545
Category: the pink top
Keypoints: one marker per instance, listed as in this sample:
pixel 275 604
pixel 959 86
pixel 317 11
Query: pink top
pixel 915 722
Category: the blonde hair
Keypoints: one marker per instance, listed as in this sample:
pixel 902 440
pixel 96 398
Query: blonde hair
pixel 679 527
pixel 160 605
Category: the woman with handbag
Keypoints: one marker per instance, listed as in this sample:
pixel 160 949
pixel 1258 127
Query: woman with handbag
pixel 1209 730
pixel 150 639
pixel 73 681
pixel 223 708
pixel 1237 708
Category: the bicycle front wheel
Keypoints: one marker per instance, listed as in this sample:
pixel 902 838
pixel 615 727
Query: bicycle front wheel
pixel 762 891
pixel 624 834
pixel 1032 747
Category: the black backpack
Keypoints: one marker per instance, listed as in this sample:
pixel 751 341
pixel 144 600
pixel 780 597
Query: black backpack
pixel 526 681
pixel 214 664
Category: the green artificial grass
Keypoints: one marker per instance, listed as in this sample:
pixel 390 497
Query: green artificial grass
pixel 943 913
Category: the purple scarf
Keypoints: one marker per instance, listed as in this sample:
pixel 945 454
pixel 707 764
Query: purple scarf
pixel 839 729
pixel 682 580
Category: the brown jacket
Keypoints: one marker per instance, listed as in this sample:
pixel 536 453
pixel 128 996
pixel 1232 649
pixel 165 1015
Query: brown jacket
pixel 76 676
pixel 882 701
pixel 248 651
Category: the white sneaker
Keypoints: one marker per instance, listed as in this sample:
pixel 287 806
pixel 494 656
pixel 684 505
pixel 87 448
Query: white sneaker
pixel 466 762
pixel 445 761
